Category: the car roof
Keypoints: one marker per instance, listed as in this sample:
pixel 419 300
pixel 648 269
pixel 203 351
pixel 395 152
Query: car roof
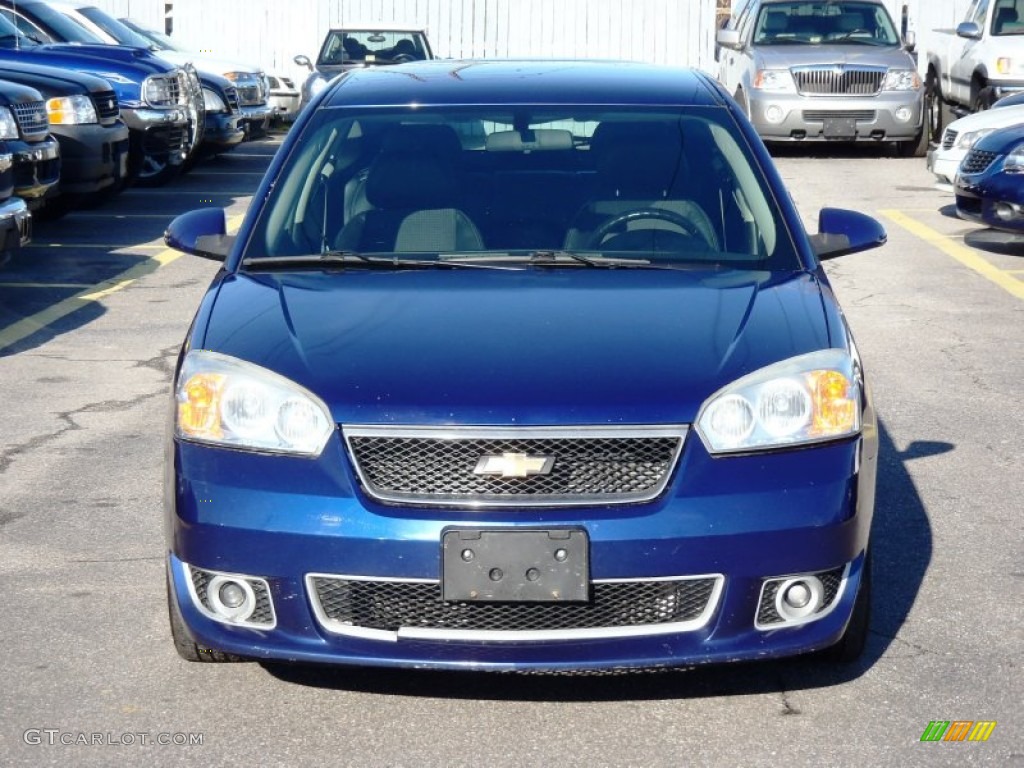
pixel 378 26
pixel 524 82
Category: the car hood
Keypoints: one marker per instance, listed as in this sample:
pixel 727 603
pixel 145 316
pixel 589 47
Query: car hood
pixel 1001 141
pixel 990 119
pixel 567 346
pixel 785 56
pixel 206 63
pixel 53 81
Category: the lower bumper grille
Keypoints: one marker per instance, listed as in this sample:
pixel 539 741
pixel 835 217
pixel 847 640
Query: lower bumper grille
pixel 820 115
pixel 414 609
pixel 949 138
pixel 767 612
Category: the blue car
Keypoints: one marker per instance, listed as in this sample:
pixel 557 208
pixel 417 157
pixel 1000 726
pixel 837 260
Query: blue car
pixel 520 366
pixel 989 184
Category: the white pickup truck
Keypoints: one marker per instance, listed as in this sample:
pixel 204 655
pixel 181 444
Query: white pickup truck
pixel 972 66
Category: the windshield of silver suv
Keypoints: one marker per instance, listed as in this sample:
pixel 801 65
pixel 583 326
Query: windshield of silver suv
pixel 590 186
pixel 802 23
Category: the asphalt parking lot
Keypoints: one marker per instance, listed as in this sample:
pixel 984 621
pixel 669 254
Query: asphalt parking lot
pixel 91 316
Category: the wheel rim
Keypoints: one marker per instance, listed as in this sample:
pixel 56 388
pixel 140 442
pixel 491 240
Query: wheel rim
pixel 151 167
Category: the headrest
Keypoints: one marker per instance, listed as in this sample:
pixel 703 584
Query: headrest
pixel 848 22
pixel 441 141
pixel 775 22
pixel 638 160
pixel 413 181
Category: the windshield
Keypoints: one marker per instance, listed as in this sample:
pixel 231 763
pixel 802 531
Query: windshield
pixel 373 47
pixel 13 37
pixel 159 39
pixel 500 183
pixel 115 28
pixel 61 27
pixel 803 23
pixel 1008 18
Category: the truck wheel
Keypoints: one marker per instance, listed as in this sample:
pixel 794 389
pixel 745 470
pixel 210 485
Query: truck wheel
pixel 937 113
pixel 915 147
pixel 982 96
pixel 155 171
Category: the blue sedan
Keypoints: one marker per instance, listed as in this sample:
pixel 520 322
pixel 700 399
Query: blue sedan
pixel 520 366
pixel 989 184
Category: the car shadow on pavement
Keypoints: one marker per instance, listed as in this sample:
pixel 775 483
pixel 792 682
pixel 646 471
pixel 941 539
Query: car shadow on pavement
pixel 996 241
pixel 901 549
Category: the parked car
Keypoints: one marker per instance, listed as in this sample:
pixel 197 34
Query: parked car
pixel 85 119
pixel 621 420
pixel 25 130
pixel 362 45
pixel 982 60
pixel 836 71
pixel 156 99
pixel 989 186
pixel 284 97
pixel 15 217
pixel 961 135
pixel 250 82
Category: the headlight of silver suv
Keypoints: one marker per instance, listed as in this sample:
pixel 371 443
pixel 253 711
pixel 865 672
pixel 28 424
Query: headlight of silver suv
pixel 901 80
pixel 775 80
pixel 808 399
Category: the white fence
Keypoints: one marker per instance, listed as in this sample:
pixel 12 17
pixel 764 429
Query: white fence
pixel 675 32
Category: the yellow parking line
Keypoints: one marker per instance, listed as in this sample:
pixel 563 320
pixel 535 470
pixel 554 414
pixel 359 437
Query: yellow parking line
pixel 966 256
pixel 32 324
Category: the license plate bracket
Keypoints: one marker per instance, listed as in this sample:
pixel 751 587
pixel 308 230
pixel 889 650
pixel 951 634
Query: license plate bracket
pixel 500 565
pixel 840 128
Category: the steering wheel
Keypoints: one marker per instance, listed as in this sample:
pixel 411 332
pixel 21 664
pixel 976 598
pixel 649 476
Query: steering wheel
pixel 403 58
pixel 644 214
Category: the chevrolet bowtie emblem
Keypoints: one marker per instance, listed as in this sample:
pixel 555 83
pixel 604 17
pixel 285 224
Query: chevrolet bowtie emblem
pixel 514 465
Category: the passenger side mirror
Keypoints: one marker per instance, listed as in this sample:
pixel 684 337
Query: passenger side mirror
pixel 728 38
pixel 910 42
pixel 970 30
pixel 841 232
pixel 202 232
pixel 303 61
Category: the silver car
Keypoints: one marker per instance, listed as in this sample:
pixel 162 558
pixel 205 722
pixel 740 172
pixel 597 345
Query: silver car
pixel 824 71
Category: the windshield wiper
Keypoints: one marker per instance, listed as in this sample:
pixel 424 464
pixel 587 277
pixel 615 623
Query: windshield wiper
pixel 543 258
pixel 346 259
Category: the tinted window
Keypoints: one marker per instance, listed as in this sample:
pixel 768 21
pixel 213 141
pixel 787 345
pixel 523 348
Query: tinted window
pixel 802 23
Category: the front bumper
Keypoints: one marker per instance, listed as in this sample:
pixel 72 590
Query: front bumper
pixel 161 134
pixel 36 168
pixel 792 117
pixel 256 118
pixel 15 224
pixel 743 519
pixel 944 163
pixel 93 157
pixel 222 131
pixel 992 198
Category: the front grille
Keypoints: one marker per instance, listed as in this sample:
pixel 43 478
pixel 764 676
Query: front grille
pixel 231 99
pixel 766 612
pixel 32 118
pixel 344 604
pixel 106 105
pixel 838 81
pixel 949 138
pixel 263 613
pixel 977 160
pixel 590 465
pixel 820 115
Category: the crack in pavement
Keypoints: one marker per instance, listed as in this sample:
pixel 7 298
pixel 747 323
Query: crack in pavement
pixel 8 456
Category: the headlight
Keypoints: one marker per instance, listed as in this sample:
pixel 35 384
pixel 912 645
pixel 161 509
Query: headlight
pixel 161 91
pixel 779 80
pixel 967 139
pixel 1014 162
pixel 901 80
pixel 213 102
pixel 807 399
pixel 225 401
pixel 71 110
pixel 8 125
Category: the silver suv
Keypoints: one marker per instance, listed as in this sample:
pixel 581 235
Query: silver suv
pixel 824 71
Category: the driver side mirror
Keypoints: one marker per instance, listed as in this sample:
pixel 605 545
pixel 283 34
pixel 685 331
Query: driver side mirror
pixel 841 232
pixel 202 232
pixel 910 42
pixel 728 38
pixel 969 30
pixel 303 61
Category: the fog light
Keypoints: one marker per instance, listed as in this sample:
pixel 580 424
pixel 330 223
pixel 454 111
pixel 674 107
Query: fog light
pixel 799 597
pixel 903 114
pixel 774 114
pixel 1006 211
pixel 231 599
